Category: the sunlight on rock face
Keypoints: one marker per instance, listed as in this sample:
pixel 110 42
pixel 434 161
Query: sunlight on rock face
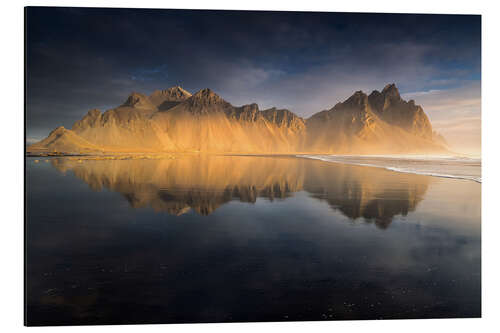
pixel 173 120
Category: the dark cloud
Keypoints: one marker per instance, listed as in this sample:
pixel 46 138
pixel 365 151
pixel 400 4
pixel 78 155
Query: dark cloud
pixel 81 58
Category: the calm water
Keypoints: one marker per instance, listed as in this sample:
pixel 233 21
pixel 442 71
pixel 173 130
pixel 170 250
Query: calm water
pixel 214 239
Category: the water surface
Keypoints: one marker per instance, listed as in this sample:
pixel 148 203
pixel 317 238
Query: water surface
pixel 228 238
pixel 437 166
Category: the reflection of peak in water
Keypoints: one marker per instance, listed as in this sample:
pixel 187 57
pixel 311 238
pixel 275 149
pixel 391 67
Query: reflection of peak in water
pixel 200 183
pixel 204 183
pixel 362 192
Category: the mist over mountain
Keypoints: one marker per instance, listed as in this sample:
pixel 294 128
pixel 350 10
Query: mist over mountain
pixel 174 120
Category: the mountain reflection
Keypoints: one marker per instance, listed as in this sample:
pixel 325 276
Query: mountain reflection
pixel 374 194
pixel 204 183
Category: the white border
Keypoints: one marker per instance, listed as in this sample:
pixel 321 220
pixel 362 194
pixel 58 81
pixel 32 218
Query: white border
pixel 11 272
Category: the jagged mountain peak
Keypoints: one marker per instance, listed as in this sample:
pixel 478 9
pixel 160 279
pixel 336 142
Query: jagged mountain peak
pixel 247 112
pixel 359 98
pixel 359 94
pixel 206 93
pixel 391 90
pixel 168 98
pixel 138 100
pixel 284 117
pixel 253 106
pixel 58 131
pixel 280 111
pixel 94 113
pixel 205 98
pixel 175 93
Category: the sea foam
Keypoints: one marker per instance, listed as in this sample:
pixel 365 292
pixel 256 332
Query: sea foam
pixel 457 167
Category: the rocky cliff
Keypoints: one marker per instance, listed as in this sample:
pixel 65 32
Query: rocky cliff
pixel 173 120
pixel 381 122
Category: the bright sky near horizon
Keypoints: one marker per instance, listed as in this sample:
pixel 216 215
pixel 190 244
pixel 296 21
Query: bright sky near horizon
pixel 79 59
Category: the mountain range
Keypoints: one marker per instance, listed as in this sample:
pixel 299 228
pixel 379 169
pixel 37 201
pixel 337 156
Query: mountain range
pixel 174 120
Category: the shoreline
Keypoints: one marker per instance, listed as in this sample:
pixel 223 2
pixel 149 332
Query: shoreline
pixel 397 169
pixel 315 156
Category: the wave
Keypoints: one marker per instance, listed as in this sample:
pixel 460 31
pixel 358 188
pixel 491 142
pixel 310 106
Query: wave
pixel 455 167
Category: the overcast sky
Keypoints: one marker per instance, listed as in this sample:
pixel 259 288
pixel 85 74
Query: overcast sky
pixel 79 59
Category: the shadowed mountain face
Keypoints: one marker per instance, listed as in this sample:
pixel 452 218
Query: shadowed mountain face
pixel 205 183
pixel 382 122
pixel 173 120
